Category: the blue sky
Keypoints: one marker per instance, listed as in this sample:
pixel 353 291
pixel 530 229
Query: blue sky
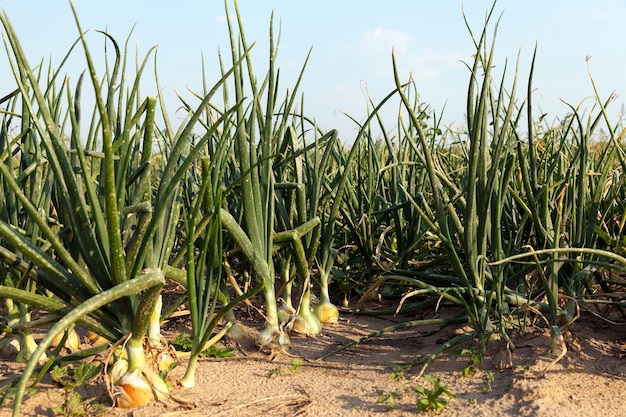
pixel 352 43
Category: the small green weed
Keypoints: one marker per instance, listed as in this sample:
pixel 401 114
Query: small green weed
pixel 489 378
pixel 388 398
pixel 279 370
pixel 183 343
pixel 524 369
pixel 275 372
pixel 295 366
pixel 475 358
pixel 398 371
pixel 432 399
pixel 73 404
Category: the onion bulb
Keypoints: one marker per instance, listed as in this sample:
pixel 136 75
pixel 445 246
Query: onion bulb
pixel 327 313
pixel 557 342
pixel 10 347
pixel 72 342
pixel 95 339
pixel 236 332
pixel 270 338
pixel 27 348
pixel 307 323
pixel 139 387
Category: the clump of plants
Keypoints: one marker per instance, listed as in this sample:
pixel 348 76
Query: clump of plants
pixel 475 358
pixel 389 399
pixel 294 367
pixel 434 398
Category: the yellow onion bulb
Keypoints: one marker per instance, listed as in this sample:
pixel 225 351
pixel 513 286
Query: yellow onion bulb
pixel 327 313
pixel 72 342
pixel 307 324
pixel 165 361
pixel 139 387
pixel 95 339
pixel 117 370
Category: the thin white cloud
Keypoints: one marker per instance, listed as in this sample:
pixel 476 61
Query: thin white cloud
pixel 375 47
pixel 430 65
pixel 424 66
pixel 428 57
pixel 381 41
pixel 350 94
pixel 607 12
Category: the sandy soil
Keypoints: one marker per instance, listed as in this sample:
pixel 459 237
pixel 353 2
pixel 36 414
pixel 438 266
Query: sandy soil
pixel 589 381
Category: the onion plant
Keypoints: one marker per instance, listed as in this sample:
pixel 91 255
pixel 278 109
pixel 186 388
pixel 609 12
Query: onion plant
pixel 331 185
pixel 468 214
pixel 257 185
pixel 117 207
pixel 260 135
pixel 204 199
pixel 23 157
pixel 204 270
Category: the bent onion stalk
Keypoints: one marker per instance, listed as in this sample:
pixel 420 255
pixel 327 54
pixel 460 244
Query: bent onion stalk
pixel 124 289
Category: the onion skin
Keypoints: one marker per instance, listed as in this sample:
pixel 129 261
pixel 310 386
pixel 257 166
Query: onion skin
pixel 11 347
pixel 117 370
pixel 327 313
pixel 307 323
pixel 95 339
pixel 165 361
pixel 72 342
pixel 138 388
pixel 270 338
